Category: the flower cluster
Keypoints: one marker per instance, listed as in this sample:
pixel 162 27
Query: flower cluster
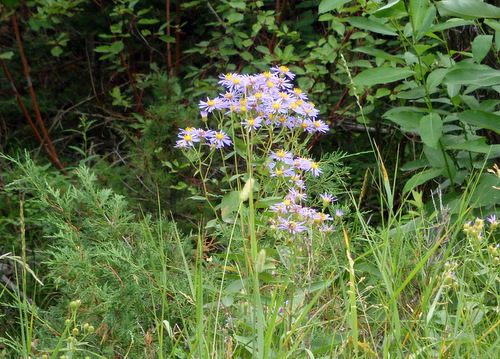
pixel 475 229
pixel 293 215
pixel 266 100
pixel 190 135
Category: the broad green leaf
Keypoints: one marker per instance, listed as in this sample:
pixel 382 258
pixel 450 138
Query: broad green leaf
pixel 7 55
pixel 421 178
pixel 382 75
pixel 371 25
pixel 230 203
pixel 431 129
pixel 148 21
pixel 241 5
pixel 429 18
pixel 417 9
pixel 483 119
pixel 479 146
pixel 484 194
pixel 435 78
pixel 437 159
pixel 56 51
pixel 379 53
pixel 11 3
pixel 329 5
pixel 394 8
pixel 451 23
pixel 494 24
pixel 481 46
pixel 468 9
pixel 466 73
pixel 407 118
pixel 234 17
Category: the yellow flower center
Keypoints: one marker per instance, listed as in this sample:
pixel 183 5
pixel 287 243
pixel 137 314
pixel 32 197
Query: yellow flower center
pixel 219 136
pixel 284 69
pixel 210 103
pixel 251 121
pixel 267 74
pixel 188 138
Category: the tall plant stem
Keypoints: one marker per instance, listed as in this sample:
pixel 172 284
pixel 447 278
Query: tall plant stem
pixel 45 140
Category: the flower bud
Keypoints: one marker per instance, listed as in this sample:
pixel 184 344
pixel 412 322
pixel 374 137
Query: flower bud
pixel 245 192
pixel 75 304
pixel 261 260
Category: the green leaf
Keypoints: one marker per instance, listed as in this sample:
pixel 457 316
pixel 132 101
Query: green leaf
pixel 395 9
pixel 329 5
pixel 148 21
pixel 238 5
pixel 418 9
pixel 466 73
pixel 230 203
pixel 371 25
pixel 382 75
pixel 11 3
pixel 7 55
pixel 484 194
pixel 431 129
pixel 468 9
pixel 429 18
pixel 116 47
pixel 450 24
pixel 481 46
pixel 379 53
pixel 483 119
pixel 479 146
pixel 407 118
pixel 421 178
pixel 435 78
pixel 56 51
pixel 234 17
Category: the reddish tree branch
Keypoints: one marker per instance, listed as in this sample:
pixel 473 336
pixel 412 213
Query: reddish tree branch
pixel 45 140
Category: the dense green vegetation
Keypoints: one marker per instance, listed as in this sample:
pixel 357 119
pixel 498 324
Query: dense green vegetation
pixel 337 196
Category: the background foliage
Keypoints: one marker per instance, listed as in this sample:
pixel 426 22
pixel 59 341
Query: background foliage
pixel 415 82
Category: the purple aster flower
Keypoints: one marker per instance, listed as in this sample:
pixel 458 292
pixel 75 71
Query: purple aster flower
pixel 284 71
pixel 278 208
pixel 327 228
pixel 210 105
pixel 297 196
pixel 301 163
pixel 327 199
pixel 493 220
pixel 252 123
pixel 299 94
pixel 281 155
pixel 322 217
pixel 320 126
pixel 339 213
pixel 220 139
pixel 292 226
pixel 205 134
pixel 314 169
